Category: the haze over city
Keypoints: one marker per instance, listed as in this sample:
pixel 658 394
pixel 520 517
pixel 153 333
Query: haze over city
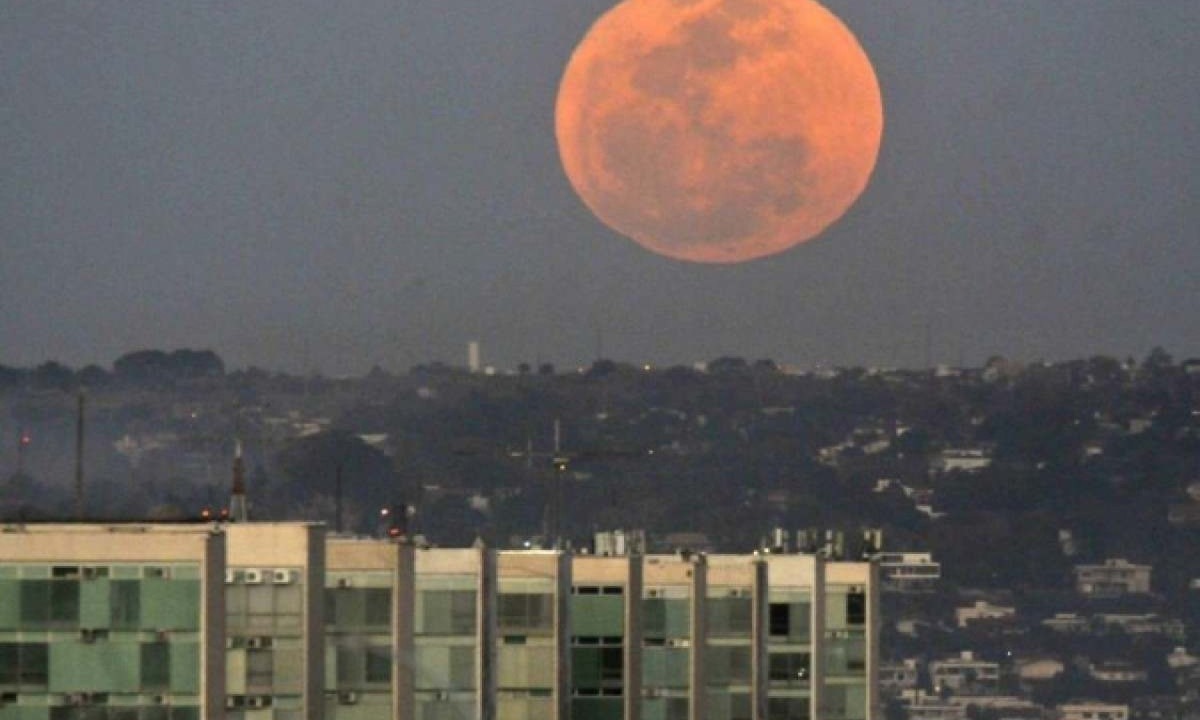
pixel 301 186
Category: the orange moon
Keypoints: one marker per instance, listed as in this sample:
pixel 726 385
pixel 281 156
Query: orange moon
pixel 719 131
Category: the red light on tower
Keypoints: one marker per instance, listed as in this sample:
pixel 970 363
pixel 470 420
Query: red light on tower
pixel 25 439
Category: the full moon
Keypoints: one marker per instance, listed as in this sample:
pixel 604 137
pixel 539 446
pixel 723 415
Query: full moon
pixel 719 131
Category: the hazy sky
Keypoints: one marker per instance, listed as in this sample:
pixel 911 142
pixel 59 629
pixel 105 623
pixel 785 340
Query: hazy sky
pixel 303 184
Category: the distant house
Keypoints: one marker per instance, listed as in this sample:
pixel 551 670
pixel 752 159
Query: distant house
pixel 1114 578
pixel 1116 672
pixel 1068 623
pixel 898 677
pixel 1186 515
pixel 965 672
pixel 982 610
pixel 1180 658
pixel 1142 624
pixel 919 705
pixel 1039 669
pixel 968 460
pixel 1092 710
pixel 908 571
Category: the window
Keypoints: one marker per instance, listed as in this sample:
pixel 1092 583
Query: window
pixel 379 607
pixel 155 666
pixel 666 618
pixel 35 664
pixel 789 668
pixel 447 612
pixel 525 611
pixel 125 606
pixel 856 608
pixel 379 665
pixel 729 616
pixel 780 619
pixel 259 669
pixel 34 608
pixel 787 709
pixel 728 665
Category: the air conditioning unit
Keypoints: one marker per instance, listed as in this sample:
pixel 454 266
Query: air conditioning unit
pixel 254 577
pixel 233 702
pixel 344 583
pixel 159 699
pixel 230 577
pixel 87 635
pixel 157 572
pixel 281 577
pixel 258 642
pixel 259 701
pixel 348 698
pixel 652 593
pixel 90 573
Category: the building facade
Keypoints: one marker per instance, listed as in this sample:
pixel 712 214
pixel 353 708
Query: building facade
pixel 277 621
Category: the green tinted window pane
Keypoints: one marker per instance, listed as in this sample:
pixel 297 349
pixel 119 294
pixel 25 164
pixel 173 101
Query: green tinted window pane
pixel 729 616
pixel 156 666
pixel 289 672
pixel 35 664
pixel 170 604
pixel 664 667
pixel 331 598
pixel 787 709
pixel 10 604
pixel 8 663
pixel 289 599
pixel 185 713
pixel 379 665
pixel 94 603
pixel 378 607
pixel 835 611
pixel 35 603
pixel 462 667
pixel 666 618
pixel 585 667
pixel 185 668
pixel 64 603
pixel 351 608
pixel 593 708
pixel 597 615
pixel 125 604
pixel 446 612
pixel 728 665
pixel 525 613
pixel 260 674
pixel 100 667
pixel 351 666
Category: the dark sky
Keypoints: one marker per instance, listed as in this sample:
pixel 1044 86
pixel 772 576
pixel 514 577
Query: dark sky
pixel 302 184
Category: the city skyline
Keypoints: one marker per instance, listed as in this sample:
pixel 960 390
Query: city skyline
pixel 307 188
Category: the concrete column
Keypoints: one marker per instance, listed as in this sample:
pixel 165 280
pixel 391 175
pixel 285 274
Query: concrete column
pixel 212 627
pixel 485 669
pixel 633 639
pixel 699 631
pixel 562 637
pixel 403 620
pixel 758 662
pixel 816 671
pixel 314 620
pixel 874 702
